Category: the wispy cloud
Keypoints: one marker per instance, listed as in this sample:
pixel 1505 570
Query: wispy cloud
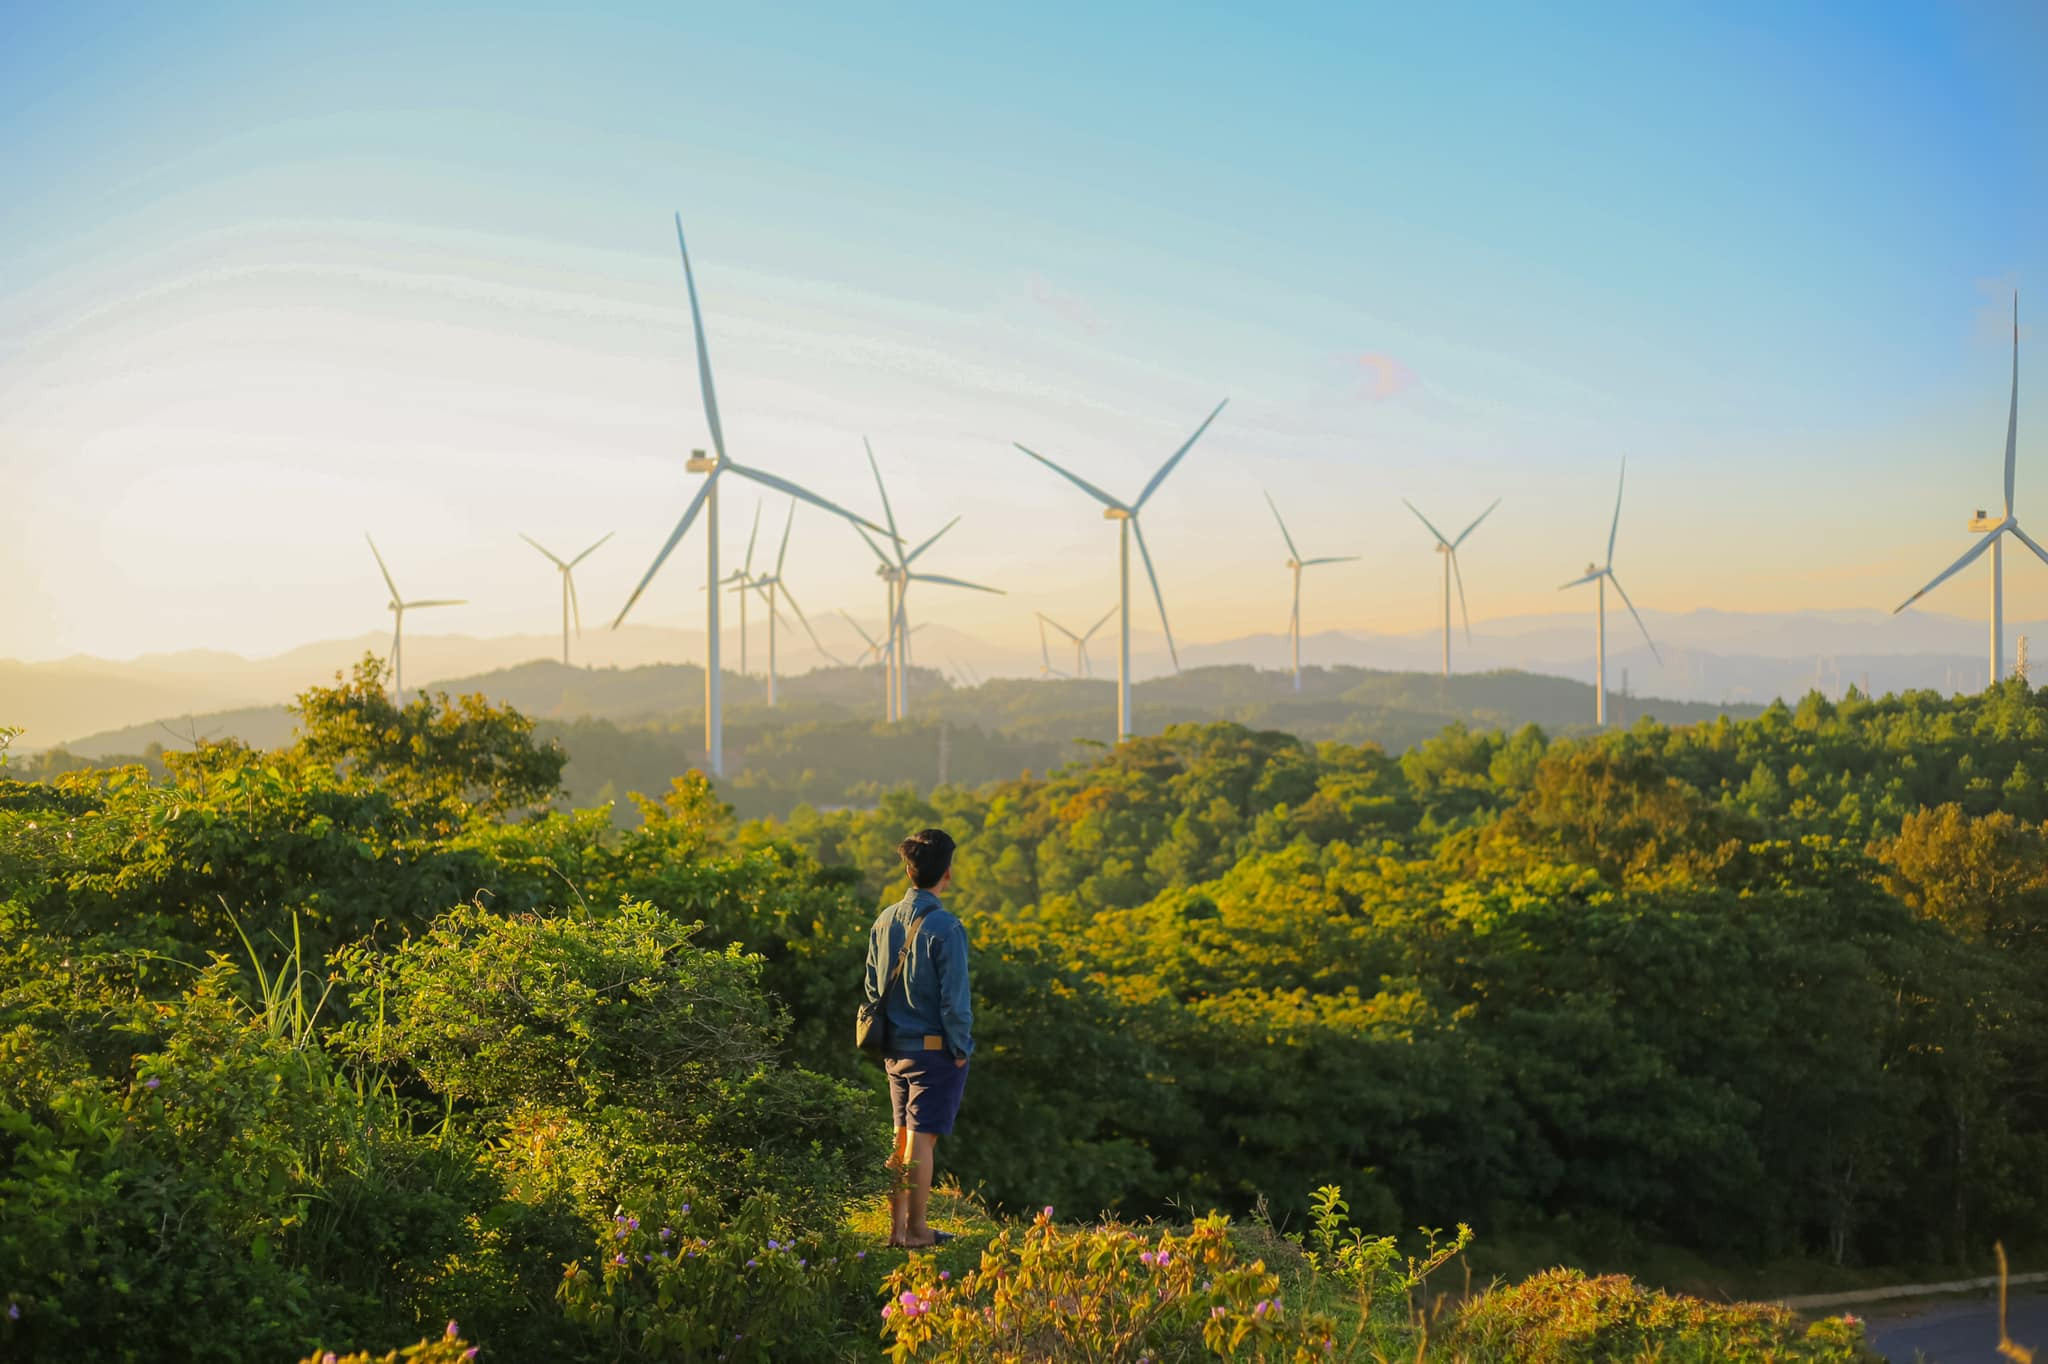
pixel 1068 308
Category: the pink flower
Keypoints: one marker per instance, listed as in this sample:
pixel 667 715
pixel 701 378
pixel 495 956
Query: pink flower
pixel 453 1331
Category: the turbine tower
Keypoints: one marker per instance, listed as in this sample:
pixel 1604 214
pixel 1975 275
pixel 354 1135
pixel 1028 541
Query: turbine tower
pixel 1601 575
pixel 895 570
pixel 1994 529
pixel 706 501
pixel 1449 549
pixel 398 606
pixel 1083 667
pixel 1127 513
pixel 567 568
pixel 777 591
pixel 1295 563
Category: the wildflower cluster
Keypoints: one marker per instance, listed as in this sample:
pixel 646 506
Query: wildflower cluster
pixel 687 1282
pixel 448 1348
pixel 1100 1293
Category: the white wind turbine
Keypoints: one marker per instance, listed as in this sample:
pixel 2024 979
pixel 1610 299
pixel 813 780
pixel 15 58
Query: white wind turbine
pixel 706 501
pixel 567 568
pixel 1127 513
pixel 742 578
pixel 1295 563
pixel 398 606
pixel 1603 574
pixel 895 570
pixel 1994 529
pixel 777 591
pixel 1083 667
pixel 1449 549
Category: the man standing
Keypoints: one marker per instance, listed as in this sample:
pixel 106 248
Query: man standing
pixel 917 961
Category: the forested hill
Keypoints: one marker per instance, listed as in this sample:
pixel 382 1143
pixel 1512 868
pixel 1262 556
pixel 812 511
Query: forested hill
pixel 634 729
pixel 1760 989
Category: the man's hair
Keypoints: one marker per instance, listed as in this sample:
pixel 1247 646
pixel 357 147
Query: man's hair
pixel 927 855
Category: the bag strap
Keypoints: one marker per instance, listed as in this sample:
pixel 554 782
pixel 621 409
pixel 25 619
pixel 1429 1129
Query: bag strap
pixel 909 936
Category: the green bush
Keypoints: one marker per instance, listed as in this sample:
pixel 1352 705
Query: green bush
pixel 1564 1317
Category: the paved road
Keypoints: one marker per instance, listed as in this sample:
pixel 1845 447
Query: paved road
pixel 1959 1332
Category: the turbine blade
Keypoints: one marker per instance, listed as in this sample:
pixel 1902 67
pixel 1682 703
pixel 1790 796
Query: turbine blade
pixel 703 349
pixel 588 552
pixel 1098 624
pixel 1167 467
pixel 1459 574
pixel 1969 557
pixel 1475 524
pixel 865 636
pixel 2028 541
pixel 2012 419
pixel 1615 529
pixel 1083 484
pixel 1332 559
pixel 1581 582
pixel 1045 620
pixel 887 562
pixel 788 525
pixel 1294 553
pixel 438 601
pixel 381 569
pixel 1639 618
pixel 542 548
pixel 783 485
pixel 1425 521
pixel 1044 650
pixel 747 564
pixel 888 513
pixel 954 582
pixel 910 557
pixel 575 606
pixel 682 526
pixel 802 619
pixel 1157 595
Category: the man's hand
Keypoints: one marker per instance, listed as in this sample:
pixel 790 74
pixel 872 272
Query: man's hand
pixel 959 1061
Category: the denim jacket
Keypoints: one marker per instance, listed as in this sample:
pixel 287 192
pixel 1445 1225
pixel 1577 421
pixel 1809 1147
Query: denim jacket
pixel 931 996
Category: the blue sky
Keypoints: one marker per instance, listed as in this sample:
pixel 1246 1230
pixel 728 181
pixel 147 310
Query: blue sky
pixel 275 277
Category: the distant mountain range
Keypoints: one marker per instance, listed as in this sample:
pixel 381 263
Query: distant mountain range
pixel 1707 656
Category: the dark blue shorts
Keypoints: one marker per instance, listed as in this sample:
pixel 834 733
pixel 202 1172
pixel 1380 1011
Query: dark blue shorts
pixel 924 1091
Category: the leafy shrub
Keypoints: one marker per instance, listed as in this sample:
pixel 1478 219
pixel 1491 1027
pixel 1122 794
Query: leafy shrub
pixel 449 1348
pixel 1105 1293
pixel 688 1284
pixel 1564 1317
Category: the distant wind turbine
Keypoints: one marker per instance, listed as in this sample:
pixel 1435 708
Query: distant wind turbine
pixel 776 590
pixel 1449 549
pixel 1127 513
pixel 398 606
pixel 1295 563
pixel 1083 667
pixel 706 501
pixel 1601 575
pixel 1045 667
pixel 895 570
pixel 1992 529
pixel 567 568
pixel 741 579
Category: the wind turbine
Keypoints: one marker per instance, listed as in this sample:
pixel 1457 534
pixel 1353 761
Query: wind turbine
pixel 773 588
pixel 740 579
pixel 1994 529
pixel 567 570
pixel 1295 563
pixel 706 501
pixel 1082 666
pixel 398 606
pixel 895 570
pixel 1045 667
pixel 1449 549
pixel 1601 575
pixel 1127 513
